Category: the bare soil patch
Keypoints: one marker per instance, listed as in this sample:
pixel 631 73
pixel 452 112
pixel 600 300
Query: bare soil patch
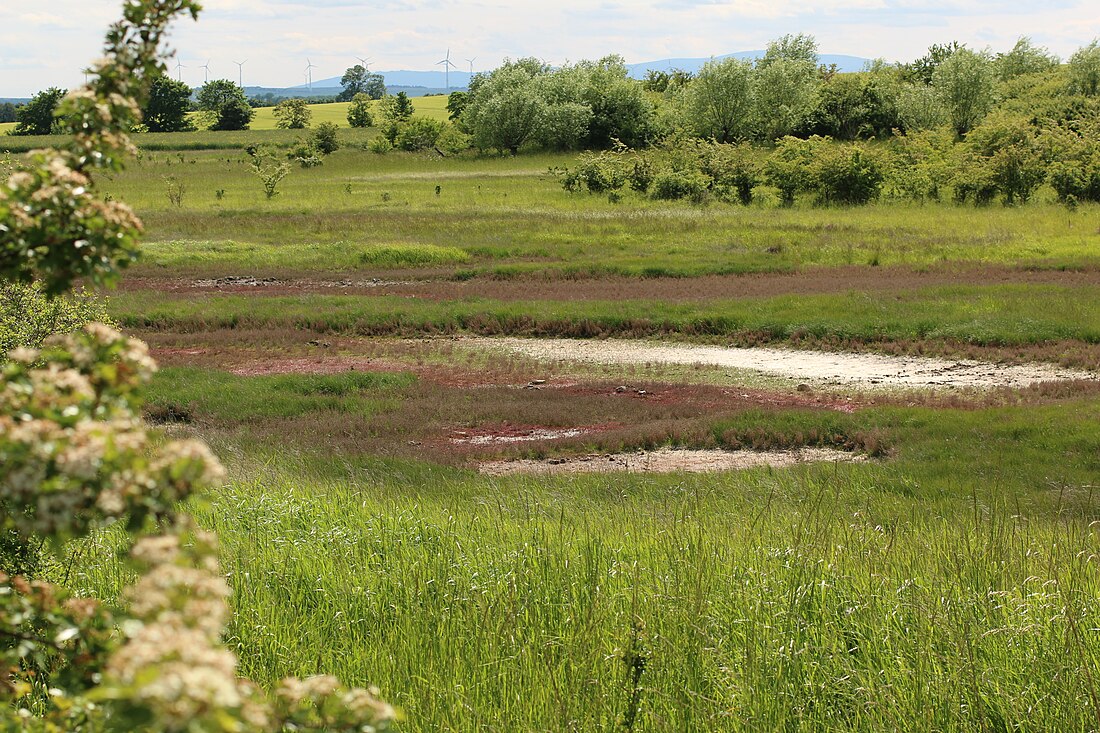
pixel 668 460
pixel 818 367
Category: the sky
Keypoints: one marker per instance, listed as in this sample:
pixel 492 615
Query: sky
pixel 47 42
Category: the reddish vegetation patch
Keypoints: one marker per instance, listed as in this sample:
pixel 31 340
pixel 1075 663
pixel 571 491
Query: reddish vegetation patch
pixel 708 397
pixel 671 289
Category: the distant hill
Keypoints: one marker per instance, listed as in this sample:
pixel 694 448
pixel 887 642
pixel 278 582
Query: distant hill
pixel 15 100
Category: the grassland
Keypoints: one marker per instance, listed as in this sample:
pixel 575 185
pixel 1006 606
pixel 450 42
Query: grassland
pixel 262 130
pixel 946 583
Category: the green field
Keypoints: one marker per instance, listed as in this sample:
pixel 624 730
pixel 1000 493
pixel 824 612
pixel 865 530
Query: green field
pixel 263 123
pixel 325 343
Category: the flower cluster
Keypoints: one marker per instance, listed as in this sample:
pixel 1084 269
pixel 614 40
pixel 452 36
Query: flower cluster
pixel 73 453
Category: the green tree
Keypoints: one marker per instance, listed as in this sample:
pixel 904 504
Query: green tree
pixel 856 105
pixel 292 114
pixel 964 84
pixel 507 108
pixel 620 110
pixel 920 108
pixel 359 114
pixel 357 80
pixel 720 100
pixel 7 112
pixel 1025 58
pixel 396 108
pixel 36 117
pixel 224 105
pixel 168 106
pixel 801 48
pixel 456 104
pixel 922 70
pixel 1084 70
pixel 785 93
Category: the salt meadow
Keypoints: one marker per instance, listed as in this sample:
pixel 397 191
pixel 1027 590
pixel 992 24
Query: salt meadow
pixel 359 347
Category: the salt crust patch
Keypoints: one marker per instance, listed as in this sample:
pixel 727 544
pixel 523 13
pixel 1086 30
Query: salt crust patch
pixel 668 460
pixel 804 366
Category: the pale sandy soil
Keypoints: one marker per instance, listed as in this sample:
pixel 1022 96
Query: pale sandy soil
pixel 668 460
pixel 816 367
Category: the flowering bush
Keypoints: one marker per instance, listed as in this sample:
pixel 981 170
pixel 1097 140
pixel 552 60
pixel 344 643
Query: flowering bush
pixel 75 456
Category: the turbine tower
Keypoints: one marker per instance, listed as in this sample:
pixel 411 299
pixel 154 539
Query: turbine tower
pixel 240 72
pixel 205 72
pixel 309 74
pixel 179 74
pixel 446 64
pixel 365 62
pixel 471 62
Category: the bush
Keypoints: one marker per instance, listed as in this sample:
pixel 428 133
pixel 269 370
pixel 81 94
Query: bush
pixel 418 133
pixel 324 138
pixel 848 174
pixel 790 167
pixel 306 154
pixel 28 317
pixel 1000 156
pixel 292 114
pixel 597 173
pixel 380 145
pixel 359 111
pixel 733 170
pixel 672 185
pixel 452 140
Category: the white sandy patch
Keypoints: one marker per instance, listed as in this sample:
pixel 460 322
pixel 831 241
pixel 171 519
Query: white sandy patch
pixel 802 366
pixel 668 460
pixel 532 435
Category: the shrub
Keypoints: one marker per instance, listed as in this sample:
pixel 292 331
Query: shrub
pixel 596 173
pixel 324 138
pixel 1000 156
pixel 418 133
pixel 790 166
pixel 452 140
pixel 380 145
pixel 671 185
pixel 28 317
pixel 359 114
pixel 850 174
pixel 733 170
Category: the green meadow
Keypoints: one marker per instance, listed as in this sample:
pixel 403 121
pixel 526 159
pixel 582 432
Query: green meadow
pixel 945 580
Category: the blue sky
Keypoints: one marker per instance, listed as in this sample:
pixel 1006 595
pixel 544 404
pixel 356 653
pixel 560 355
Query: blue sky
pixel 47 42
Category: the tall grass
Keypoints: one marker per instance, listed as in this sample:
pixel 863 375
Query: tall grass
pixel 771 600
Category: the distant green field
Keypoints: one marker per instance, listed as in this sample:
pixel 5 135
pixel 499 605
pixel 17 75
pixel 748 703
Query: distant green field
pixel 337 112
pixel 262 130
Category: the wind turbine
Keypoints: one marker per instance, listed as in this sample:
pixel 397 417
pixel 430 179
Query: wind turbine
pixel 364 62
pixel 205 72
pixel 179 74
pixel 309 74
pixel 471 62
pixel 240 72
pixel 446 64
